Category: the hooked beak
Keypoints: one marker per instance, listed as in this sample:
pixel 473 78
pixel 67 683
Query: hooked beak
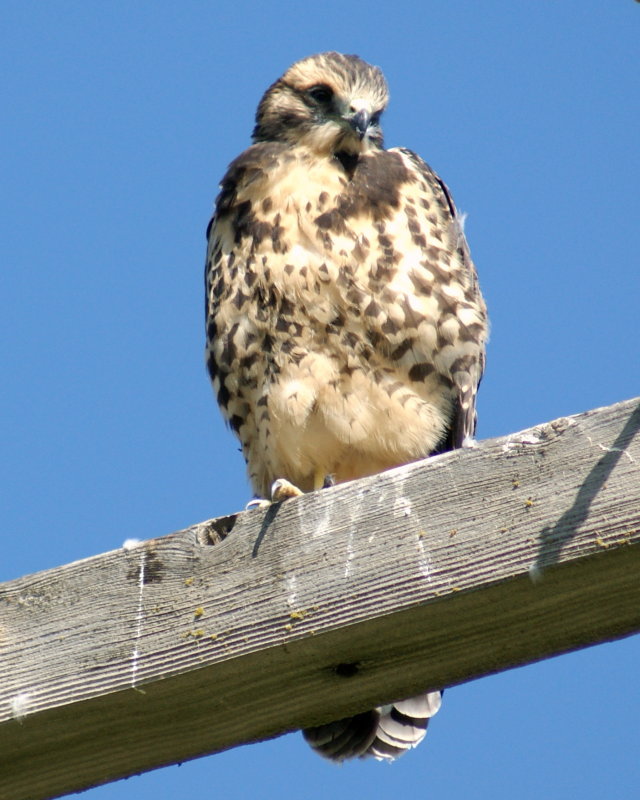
pixel 360 122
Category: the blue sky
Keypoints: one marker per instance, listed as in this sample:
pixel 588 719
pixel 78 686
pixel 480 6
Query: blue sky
pixel 119 119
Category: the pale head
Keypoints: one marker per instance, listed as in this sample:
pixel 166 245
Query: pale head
pixel 329 103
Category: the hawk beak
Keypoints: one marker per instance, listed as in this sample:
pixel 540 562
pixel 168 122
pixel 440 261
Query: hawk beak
pixel 360 122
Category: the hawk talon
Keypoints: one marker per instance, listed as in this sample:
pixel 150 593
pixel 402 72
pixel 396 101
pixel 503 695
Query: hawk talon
pixel 280 490
pixel 283 490
pixel 257 502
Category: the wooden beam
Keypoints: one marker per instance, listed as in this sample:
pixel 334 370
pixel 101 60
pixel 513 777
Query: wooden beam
pixel 250 625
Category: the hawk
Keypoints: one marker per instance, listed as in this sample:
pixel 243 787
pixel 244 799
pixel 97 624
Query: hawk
pixel 345 326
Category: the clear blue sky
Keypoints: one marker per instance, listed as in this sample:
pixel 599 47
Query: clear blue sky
pixel 118 120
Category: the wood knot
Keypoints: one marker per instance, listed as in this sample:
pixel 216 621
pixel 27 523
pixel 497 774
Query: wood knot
pixel 347 670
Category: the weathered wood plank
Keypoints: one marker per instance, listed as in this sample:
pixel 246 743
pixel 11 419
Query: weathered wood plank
pixel 425 576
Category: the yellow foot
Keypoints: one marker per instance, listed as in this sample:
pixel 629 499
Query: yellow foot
pixel 283 490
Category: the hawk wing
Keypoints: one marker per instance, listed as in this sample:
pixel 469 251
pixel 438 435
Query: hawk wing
pixel 467 373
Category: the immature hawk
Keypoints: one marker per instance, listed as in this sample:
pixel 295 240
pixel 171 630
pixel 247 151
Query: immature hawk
pixel 345 326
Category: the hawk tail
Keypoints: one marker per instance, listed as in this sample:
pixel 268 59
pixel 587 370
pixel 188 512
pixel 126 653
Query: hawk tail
pixel 384 733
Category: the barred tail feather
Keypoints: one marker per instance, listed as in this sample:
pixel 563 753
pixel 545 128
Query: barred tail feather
pixel 384 733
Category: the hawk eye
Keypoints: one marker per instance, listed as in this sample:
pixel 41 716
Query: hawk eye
pixel 321 93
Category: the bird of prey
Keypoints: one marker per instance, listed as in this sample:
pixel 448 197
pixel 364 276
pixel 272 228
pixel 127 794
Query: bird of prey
pixel 345 326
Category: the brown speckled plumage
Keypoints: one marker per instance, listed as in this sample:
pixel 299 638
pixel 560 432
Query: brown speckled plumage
pixel 345 326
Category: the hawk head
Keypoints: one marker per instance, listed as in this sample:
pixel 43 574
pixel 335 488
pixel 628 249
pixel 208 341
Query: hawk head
pixel 330 103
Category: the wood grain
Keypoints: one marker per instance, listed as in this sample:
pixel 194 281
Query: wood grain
pixel 244 627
